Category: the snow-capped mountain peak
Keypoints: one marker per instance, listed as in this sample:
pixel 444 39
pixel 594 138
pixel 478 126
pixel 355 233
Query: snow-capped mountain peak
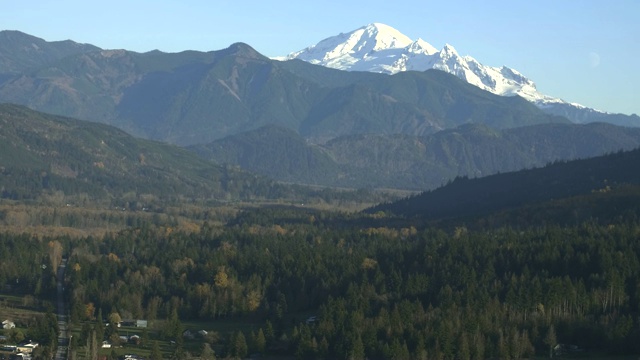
pixel 449 50
pixel 381 48
pixel 345 50
pixel 382 37
pixel 421 46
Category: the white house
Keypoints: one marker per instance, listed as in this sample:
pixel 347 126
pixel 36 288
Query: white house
pixel 8 324
pixel 27 347
pixel 141 323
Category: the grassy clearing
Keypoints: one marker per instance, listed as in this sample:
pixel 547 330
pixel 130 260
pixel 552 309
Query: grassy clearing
pixel 219 332
pixel 22 310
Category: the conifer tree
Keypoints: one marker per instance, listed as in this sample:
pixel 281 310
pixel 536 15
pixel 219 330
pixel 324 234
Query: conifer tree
pixel 261 342
pixel 93 345
pixel 207 352
pixel 155 351
pixel 357 348
pixel 240 345
pixel 550 339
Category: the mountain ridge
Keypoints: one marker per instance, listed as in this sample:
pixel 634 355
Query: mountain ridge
pixel 332 116
pixel 43 154
pixel 194 97
pixel 20 52
pixel 413 162
pixel 555 187
pixel 356 53
pixel 46 159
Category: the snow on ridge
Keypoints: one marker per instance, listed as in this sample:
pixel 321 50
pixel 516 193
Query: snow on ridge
pixel 386 37
pixel 421 46
pixel 346 49
pixel 381 48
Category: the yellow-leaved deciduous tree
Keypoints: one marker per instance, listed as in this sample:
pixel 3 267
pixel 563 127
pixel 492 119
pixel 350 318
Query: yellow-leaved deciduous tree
pixel 459 232
pixel 368 264
pixel 222 278
pixel 203 291
pixel 89 310
pixel 406 232
pixel 114 319
pixel 76 267
pixel 227 249
pixel 255 229
pixel 253 300
pixel 189 227
pixel 279 230
pixel 55 254
pixel 180 266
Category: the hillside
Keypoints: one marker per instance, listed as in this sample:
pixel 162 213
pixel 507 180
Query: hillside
pixel 42 155
pixel 414 162
pixel 20 52
pixel 466 197
pixel 276 152
pixel 195 97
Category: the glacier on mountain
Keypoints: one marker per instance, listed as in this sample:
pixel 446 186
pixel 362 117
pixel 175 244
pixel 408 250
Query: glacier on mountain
pixel 381 48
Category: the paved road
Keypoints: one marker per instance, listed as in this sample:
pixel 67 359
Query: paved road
pixel 63 338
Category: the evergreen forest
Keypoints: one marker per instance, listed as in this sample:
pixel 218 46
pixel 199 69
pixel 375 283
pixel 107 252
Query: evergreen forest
pixel 329 285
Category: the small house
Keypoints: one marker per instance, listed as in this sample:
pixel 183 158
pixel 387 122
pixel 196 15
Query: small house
pixel 26 347
pixel 134 339
pixel 8 348
pixel 8 324
pixel 187 334
pixel 141 323
pixel 20 356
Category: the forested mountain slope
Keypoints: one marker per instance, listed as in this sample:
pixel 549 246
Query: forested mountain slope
pixel 196 97
pixel 561 180
pixel 414 162
pixel 43 154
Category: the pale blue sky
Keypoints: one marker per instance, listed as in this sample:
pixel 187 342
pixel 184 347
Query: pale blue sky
pixel 583 51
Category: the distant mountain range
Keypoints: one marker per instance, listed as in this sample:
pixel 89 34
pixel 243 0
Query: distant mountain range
pixel 54 160
pixel 296 121
pixel 414 162
pixel 383 49
pixel 195 97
